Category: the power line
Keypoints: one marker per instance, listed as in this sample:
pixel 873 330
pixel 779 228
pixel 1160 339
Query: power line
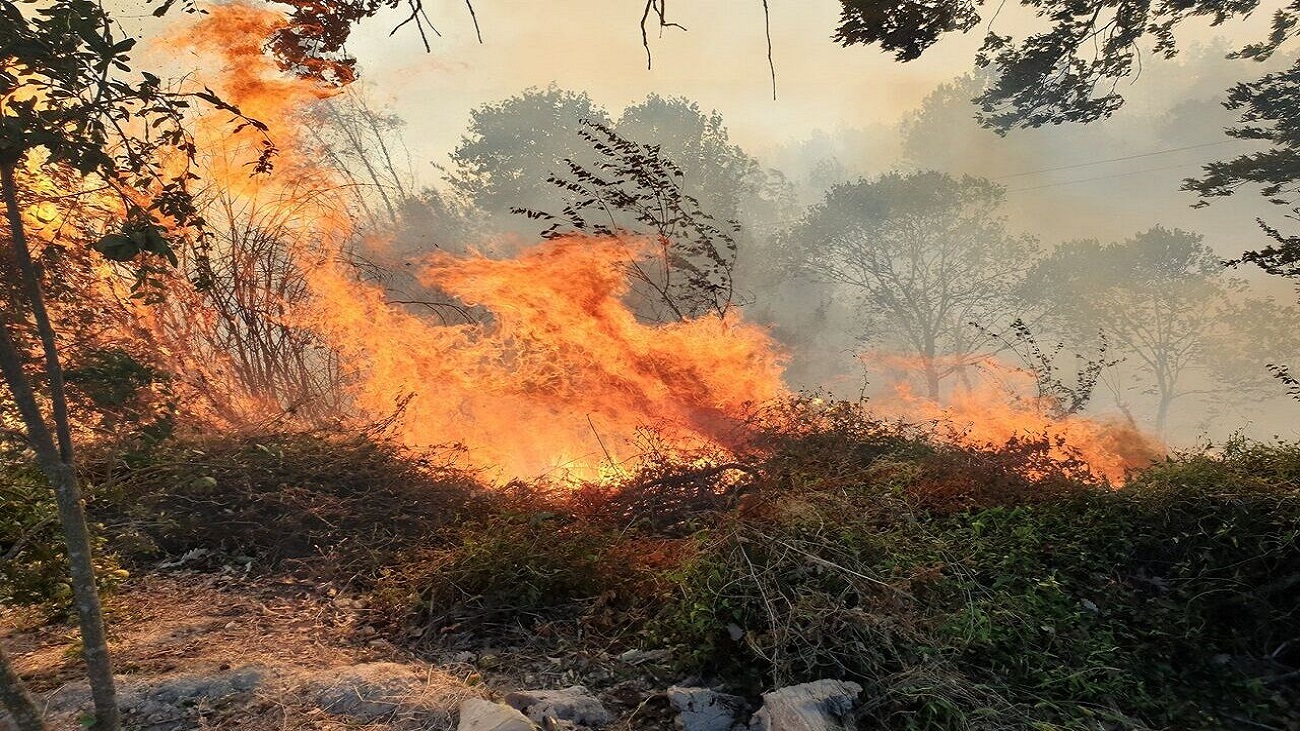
pixel 1115 159
pixel 1106 177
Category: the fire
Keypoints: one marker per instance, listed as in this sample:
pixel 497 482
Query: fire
pixel 558 375
pixel 561 376
pixel 992 407
pixel 554 373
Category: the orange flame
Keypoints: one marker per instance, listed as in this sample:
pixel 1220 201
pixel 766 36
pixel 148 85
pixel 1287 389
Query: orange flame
pixel 560 374
pixel 563 375
pixel 991 408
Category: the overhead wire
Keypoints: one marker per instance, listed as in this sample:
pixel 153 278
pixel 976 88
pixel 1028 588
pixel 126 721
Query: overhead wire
pixel 1115 159
pixel 1107 177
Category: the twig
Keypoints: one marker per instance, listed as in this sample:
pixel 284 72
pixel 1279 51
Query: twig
pixel 608 457
pixel 767 28
pixel 474 17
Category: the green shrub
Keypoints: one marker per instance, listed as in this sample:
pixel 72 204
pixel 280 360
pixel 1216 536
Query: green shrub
pixel 33 561
pixel 1170 603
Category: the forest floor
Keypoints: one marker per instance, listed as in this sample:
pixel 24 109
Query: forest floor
pixel 204 650
pixel 326 581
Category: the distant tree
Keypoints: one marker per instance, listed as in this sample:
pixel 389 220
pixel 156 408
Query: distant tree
pixel 635 190
pixel 1070 68
pixel 1165 304
pixel 925 255
pixel 513 146
pixel 718 172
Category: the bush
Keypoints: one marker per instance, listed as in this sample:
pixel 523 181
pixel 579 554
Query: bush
pixel 1169 603
pixel 33 560
pixel 335 506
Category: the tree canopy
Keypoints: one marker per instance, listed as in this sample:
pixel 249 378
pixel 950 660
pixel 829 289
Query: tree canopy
pixel 925 254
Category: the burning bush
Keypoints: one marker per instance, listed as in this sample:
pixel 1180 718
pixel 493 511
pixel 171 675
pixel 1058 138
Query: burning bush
pixel 961 593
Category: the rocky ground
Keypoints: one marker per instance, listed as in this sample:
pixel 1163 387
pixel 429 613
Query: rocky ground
pixel 198 650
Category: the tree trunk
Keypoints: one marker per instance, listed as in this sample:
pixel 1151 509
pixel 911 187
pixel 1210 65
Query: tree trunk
pixel 15 699
pixel 931 377
pixel 56 461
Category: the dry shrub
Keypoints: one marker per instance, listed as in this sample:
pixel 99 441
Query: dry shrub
pixel 335 504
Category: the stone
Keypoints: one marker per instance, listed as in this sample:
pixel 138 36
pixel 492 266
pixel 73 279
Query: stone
pixel 823 705
pixel 477 714
pixel 704 709
pixel 575 704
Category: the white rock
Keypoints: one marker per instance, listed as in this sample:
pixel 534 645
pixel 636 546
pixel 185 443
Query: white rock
pixel 824 705
pixel 477 714
pixel 703 709
pixel 575 704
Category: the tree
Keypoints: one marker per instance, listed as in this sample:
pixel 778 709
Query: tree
pixel 67 95
pixel 1163 302
pixel 722 176
pixel 636 190
pixel 1069 71
pixel 513 146
pixel 926 256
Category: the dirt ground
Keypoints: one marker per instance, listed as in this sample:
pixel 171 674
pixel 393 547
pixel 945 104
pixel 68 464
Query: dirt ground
pixel 198 650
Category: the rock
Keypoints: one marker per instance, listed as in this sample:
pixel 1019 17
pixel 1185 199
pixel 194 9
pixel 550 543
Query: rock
pixel 703 709
pixel 824 705
pixel 477 714
pixel 367 692
pixel 575 704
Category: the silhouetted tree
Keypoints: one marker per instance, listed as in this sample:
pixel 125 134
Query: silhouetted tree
pixel 1165 304
pixel 925 255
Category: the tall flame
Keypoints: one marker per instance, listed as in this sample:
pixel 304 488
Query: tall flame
pixel 561 374
pixel 558 373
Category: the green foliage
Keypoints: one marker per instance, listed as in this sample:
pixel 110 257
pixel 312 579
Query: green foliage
pixel 33 560
pixel 961 593
pixel 518 568
pixel 1167 604
pixel 354 502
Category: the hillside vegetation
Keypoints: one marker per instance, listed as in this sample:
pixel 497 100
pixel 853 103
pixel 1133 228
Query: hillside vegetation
pixel 959 592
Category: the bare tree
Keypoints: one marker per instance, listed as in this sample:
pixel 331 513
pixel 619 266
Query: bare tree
pixel 925 255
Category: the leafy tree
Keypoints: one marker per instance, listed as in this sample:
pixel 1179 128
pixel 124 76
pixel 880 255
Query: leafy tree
pixel 513 146
pixel 926 255
pixel 724 178
pixel 68 100
pixel 1164 303
pixel 1065 72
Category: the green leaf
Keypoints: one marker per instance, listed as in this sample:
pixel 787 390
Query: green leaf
pixel 118 247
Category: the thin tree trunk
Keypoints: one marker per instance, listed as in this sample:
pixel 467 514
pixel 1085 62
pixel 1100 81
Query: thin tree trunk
pixel 59 468
pixel 931 377
pixel 15 699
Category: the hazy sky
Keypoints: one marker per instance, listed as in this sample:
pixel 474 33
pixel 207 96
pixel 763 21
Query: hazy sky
pixel 719 61
pixel 595 45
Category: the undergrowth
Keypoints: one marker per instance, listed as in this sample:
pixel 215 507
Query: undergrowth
pixel 961 593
